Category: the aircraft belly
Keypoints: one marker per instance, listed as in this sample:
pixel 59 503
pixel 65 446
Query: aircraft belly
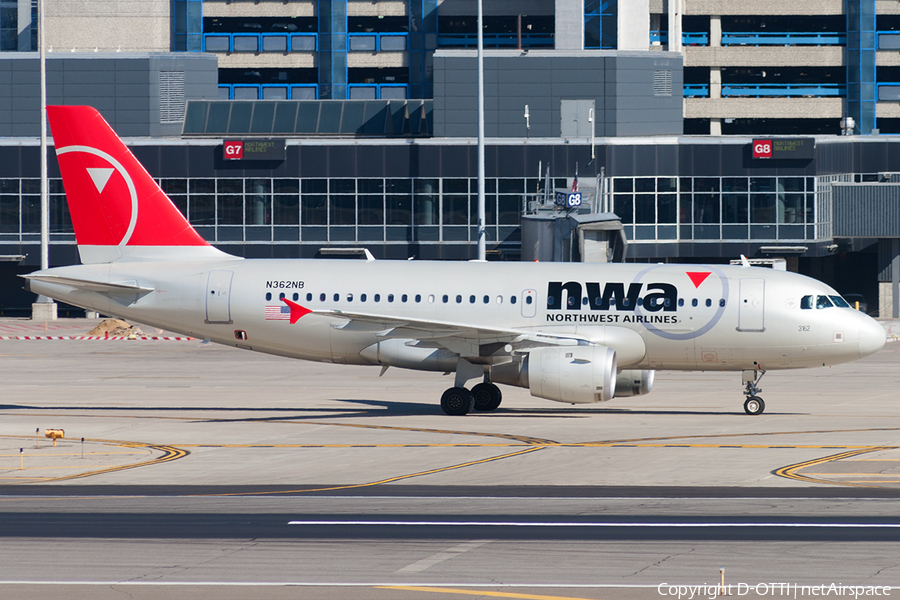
pixel 347 345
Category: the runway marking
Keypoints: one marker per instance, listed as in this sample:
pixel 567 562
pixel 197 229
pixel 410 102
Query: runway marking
pixel 519 438
pixel 93 338
pixel 170 453
pixel 854 474
pixel 42 455
pixel 790 471
pixel 606 524
pixel 755 434
pixel 442 590
pixel 321 584
pixel 430 561
pixel 373 483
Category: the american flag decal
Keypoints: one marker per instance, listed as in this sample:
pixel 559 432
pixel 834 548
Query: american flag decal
pixel 278 313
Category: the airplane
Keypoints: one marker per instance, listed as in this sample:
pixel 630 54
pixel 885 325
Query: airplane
pixel 569 332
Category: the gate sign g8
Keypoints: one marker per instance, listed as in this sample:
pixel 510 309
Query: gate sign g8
pixel 568 199
pixel 762 148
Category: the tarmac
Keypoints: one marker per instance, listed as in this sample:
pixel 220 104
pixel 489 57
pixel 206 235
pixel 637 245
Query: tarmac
pixel 183 463
pixel 179 411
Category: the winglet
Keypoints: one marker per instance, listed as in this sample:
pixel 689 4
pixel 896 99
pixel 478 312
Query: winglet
pixel 297 311
pixel 744 262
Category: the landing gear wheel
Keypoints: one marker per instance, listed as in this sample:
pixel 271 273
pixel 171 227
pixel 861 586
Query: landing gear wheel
pixel 457 401
pixel 754 405
pixel 487 397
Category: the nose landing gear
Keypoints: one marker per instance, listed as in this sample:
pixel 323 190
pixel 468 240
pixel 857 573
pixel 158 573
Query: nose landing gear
pixel 753 405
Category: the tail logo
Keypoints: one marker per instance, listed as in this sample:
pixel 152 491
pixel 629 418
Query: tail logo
pixel 101 175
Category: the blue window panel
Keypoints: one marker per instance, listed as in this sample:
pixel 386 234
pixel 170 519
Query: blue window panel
pixel 217 43
pixel 305 92
pixel 246 43
pixel 246 92
pixel 362 43
pixel 392 43
pixel 274 43
pixel 363 92
pixel 303 43
pixel 274 92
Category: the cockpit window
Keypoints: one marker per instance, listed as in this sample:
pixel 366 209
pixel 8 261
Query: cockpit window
pixel 823 302
pixel 838 301
pixel 806 302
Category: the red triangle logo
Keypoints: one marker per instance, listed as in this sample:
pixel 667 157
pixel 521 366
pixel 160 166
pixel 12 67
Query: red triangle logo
pixel 698 278
pixel 297 311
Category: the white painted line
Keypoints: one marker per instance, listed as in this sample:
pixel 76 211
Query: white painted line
pixel 596 524
pixel 131 582
pixel 430 561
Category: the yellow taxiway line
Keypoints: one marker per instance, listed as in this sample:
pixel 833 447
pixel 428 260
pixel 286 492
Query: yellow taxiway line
pixel 410 588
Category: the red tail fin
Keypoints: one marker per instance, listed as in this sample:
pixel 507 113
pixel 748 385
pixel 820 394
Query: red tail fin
pixel 117 209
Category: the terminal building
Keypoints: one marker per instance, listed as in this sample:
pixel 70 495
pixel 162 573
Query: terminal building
pixel 709 130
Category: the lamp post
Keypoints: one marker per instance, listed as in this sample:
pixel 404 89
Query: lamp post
pixel 44 309
pixel 482 232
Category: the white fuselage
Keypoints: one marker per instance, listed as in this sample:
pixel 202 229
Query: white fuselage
pixel 678 317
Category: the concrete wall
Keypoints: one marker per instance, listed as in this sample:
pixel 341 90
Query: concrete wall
pixel 621 84
pixel 124 88
pixel 109 25
pixel 634 25
pixel 569 33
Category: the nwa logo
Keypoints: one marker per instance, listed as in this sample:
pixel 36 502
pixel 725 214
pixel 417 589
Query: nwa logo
pixel 650 297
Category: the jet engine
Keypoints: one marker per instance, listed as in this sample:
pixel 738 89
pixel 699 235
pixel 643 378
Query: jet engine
pixel 575 374
pixel 634 382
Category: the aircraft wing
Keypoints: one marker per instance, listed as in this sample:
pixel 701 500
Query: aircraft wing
pixel 465 339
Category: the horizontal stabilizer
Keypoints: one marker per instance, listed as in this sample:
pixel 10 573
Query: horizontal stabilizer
pixel 100 287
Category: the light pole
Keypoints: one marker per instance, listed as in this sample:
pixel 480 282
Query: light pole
pixel 44 309
pixel 482 232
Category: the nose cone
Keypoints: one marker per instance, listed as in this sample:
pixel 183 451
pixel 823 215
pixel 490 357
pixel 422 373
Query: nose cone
pixel 871 337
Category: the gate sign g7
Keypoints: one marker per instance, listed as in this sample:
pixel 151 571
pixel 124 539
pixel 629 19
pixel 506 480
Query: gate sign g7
pixel 233 150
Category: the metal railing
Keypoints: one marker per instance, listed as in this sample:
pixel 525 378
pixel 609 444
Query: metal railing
pixel 696 90
pixel 776 38
pixel 888 40
pixel 688 38
pixel 785 90
pixel 263 91
pixel 377 42
pixel 260 42
pixel 495 40
pixel 378 91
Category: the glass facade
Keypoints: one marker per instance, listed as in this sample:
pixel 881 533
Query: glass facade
pixel 20 211
pixel 443 210
pixel 292 210
pixel 18 32
pixel 187 25
pixel 716 208
pixel 600 24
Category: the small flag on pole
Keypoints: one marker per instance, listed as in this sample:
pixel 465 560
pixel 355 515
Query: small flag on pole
pixel 278 313
pixel 575 181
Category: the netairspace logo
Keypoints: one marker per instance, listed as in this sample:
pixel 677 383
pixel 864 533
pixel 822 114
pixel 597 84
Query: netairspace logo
pixel 781 590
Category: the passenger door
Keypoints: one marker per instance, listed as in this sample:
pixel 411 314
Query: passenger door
pixel 751 310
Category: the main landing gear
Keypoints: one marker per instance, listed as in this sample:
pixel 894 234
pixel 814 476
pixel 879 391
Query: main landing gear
pixel 459 401
pixel 753 405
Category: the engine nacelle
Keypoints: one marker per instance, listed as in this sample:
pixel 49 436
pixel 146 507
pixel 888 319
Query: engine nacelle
pixel 634 382
pixel 575 374
pixel 407 355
